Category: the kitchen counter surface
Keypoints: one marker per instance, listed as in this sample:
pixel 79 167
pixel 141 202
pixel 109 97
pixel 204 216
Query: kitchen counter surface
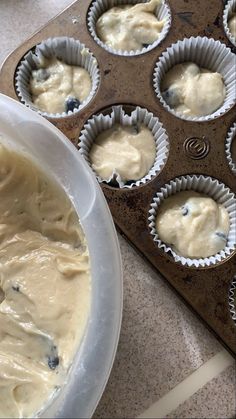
pixel 167 363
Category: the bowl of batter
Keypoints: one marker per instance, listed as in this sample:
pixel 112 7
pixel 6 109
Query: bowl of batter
pixel 193 219
pixel 60 291
pixel 194 79
pixel 58 78
pixel 129 27
pixel 125 148
pixel 229 21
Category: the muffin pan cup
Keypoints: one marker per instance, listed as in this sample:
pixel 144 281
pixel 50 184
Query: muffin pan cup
pixel 195 147
pixel 229 9
pixel 98 7
pixel 99 123
pixel 205 186
pixel 231 136
pixel 206 53
pixel 65 49
pixel 232 299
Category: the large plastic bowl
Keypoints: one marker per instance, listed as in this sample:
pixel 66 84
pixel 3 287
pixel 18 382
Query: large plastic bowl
pixel 29 133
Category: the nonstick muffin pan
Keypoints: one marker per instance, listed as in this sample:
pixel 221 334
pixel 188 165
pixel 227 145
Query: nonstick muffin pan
pixel 195 148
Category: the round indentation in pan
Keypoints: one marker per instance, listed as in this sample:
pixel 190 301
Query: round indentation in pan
pixel 207 54
pixel 65 49
pixel 232 299
pixel 229 13
pixel 203 185
pixel 230 148
pixel 99 7
pixel 135 118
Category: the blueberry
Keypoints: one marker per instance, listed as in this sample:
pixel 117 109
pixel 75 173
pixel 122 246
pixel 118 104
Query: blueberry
pixel 41 75
pixel 145 45
pixel 72 103
pixel 52 358
pixel 185 211
pixel 53 362
pixel 16 288
pixel 171 96
pixel 221 235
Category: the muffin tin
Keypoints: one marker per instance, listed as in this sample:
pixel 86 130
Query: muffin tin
pixel 195 147
pixel 66 50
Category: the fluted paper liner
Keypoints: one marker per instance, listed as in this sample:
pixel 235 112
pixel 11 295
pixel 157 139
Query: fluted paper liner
pixel 232 299
pixel 206 53
pixel 99 123
pixel 228 142
pixel 229 9
pixel 205 185
pixel 68 50
pixel 99 7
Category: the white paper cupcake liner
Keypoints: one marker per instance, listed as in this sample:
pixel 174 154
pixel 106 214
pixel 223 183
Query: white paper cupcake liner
pixel 232 298
pixel 100 123
pixel 206 53
pixel 99 7
pixel 228 142
pixel 205 185
pixel 65 49
pixel 229 9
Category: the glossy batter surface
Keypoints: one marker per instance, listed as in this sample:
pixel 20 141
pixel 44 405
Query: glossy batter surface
pixel 193 224
pixel 130 27
pixel 193 91
pixel 232 25
pixel 129 151
pixel 44 286
pixel 57 83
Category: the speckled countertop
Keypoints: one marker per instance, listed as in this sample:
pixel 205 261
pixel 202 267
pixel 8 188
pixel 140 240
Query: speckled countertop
pixel 167 363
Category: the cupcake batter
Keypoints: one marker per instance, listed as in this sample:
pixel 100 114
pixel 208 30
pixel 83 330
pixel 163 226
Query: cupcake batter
pixel 128 27
pixel 232 25
pixel 193 91
pixel 44 286
pixel 58 87
pixel 126 150
pixel 193 224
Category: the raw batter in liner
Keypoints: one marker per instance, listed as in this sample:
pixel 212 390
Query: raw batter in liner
pixel 58 87
pixel 193 224
pixel 193 91
pixel 130 27
pixel 129 151
pixel 232 25
pixel 44 286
